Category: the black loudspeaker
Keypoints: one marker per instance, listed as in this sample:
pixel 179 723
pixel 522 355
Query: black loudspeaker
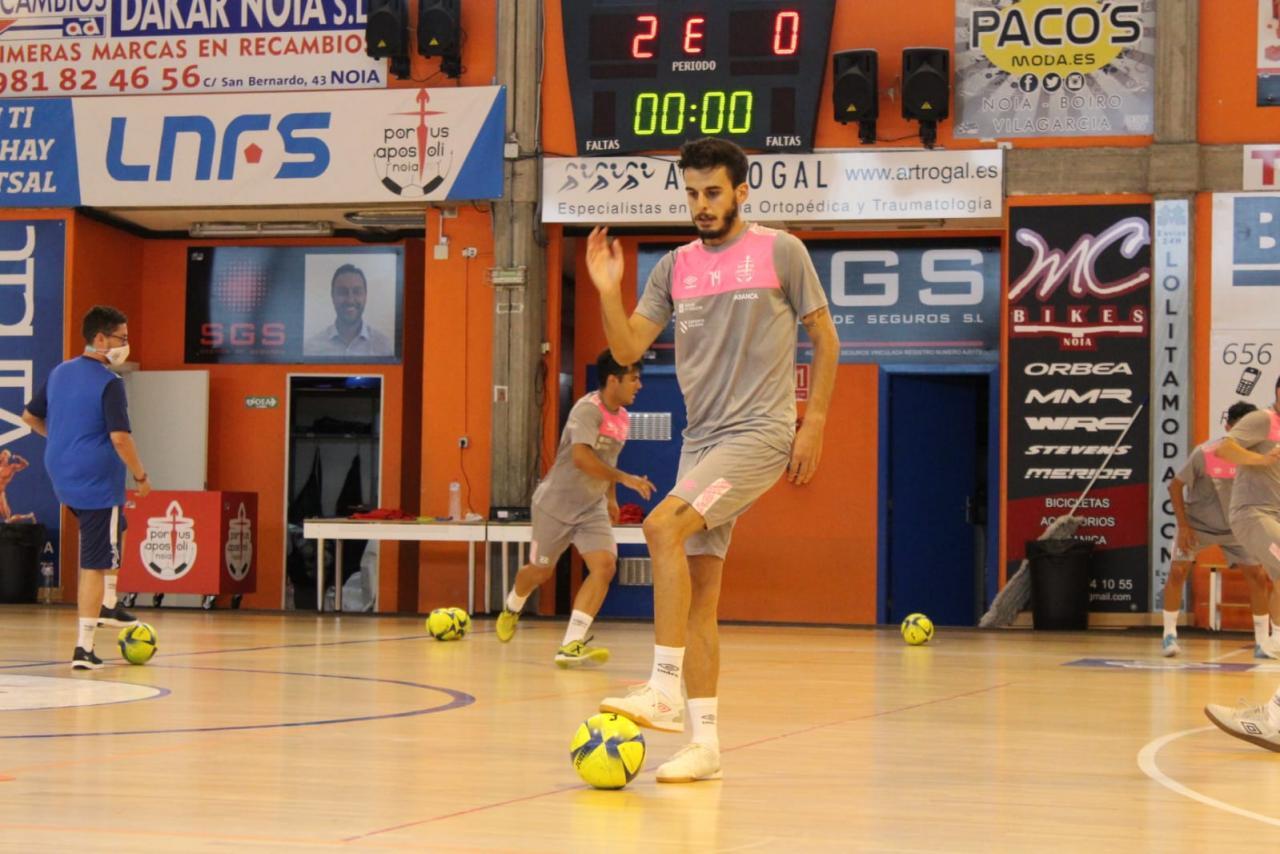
pixel 386 29
pixel 386 34
pixel 440 33
pixel 856 94
pixel 926 89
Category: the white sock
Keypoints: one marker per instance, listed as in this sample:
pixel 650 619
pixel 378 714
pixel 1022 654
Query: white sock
pixel 668 665
pixel 1273 709
pixel 87 628
pixel 515 601
pixel 1170 622
pixel 1260 628
pixel 1275 629
pixel 703 711
pixel 109 591
pixel 579 622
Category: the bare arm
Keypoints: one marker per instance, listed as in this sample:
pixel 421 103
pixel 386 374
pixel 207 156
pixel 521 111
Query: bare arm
pixel 1231 451
pixel 806 451
pixel 35 422
pixel 128 451
pixel 1185 538
pixel 628 337
pixel 589 462
pixel 1176 497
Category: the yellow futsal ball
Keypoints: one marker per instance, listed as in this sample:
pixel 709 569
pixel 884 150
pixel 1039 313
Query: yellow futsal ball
pixel 137 643
pixel 462 618
pixel 442 624
pixel 607 751
pixel 917 629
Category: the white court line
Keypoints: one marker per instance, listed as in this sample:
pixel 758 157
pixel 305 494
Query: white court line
pixel 1227 655
pixel 1147 762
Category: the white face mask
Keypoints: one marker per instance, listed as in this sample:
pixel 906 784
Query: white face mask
pixel 116 356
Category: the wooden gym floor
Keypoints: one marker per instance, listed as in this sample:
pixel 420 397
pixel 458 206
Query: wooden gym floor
pixel 298 733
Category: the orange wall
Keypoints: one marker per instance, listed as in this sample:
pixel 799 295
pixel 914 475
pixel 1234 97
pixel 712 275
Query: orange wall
pixel 247 446
pixel 885 25
pixel 1228 76
pixel 456 393
pixel 834 516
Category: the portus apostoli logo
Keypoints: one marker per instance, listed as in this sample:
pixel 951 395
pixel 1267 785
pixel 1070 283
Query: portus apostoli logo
pixel 415 156
pixel 169 545
pixel 239 550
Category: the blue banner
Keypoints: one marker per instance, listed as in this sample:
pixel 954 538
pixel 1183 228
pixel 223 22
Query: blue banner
pixel 38 154
pixel 892 300
pixel 32 258
pixel 900 301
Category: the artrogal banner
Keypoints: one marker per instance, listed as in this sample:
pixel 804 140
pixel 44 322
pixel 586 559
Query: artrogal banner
pixel 826 186
pixel 1054 68
pixel 416 145
pixel 62 48
pixel 1079 369
pixel 32 265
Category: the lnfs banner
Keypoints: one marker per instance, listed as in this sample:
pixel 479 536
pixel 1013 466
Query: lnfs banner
pixel 1079 368
pixel 31 282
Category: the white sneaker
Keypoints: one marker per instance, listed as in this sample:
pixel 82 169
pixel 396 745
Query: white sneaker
pixel 648 707
pixel 1248 723
pixel 691 763
pixel 1269 648
pixel 1169 646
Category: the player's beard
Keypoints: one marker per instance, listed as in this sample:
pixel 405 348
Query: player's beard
pixel 730 219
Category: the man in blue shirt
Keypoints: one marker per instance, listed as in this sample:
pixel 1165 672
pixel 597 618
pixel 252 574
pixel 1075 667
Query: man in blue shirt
pixel 82 411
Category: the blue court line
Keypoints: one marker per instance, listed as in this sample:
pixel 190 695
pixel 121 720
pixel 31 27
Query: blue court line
pixel 458 700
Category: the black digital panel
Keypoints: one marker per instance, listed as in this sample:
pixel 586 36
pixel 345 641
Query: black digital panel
pixel 647 76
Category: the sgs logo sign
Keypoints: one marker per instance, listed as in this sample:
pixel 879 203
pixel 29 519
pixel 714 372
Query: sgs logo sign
pixel 873 278
pixel 1055 35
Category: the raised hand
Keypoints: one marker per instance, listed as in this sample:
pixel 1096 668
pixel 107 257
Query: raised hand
pixel 605 261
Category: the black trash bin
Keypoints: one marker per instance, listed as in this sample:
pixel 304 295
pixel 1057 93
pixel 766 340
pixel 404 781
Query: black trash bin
pixel 1060 572
pixel 20 546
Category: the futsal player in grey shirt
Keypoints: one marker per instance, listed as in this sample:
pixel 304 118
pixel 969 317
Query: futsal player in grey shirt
pixel 1254 445
pixel 1201 498
pixel 577 503
pixel 735 294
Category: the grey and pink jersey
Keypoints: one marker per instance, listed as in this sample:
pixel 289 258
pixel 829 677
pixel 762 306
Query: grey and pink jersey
pixel 567 492
pixel 1208 479
pixel 736 307
pixel 1257 486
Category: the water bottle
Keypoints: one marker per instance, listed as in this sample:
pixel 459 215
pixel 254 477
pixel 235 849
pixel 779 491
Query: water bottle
pixel 455 501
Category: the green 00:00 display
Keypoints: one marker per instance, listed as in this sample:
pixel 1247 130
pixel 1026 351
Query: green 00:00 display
pixel 670 113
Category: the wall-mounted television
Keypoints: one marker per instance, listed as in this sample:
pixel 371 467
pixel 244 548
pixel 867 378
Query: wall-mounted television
pixel 295 304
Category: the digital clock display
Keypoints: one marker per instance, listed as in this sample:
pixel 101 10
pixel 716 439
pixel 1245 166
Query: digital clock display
pixel 649 75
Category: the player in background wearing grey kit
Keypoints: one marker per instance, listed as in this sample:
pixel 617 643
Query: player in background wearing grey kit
pixel 1254 445
pixel 577 503
pixel 736 294
pixel 1201 497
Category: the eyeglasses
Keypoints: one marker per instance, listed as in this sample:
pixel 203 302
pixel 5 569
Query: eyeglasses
pixel 123 339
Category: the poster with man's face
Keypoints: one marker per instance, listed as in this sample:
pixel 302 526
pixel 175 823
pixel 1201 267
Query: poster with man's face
pixel 294 304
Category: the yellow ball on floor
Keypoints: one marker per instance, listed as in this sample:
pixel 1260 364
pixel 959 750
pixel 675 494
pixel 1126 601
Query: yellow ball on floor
pixel 462 618
pixel 607 751
pixel 137 643
pixel 917 629
pixel 442 624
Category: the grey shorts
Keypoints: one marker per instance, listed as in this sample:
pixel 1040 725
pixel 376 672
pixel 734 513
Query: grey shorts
pixel 1235 554
pixel 1258 529
pixel 721 481
pixel 551 536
